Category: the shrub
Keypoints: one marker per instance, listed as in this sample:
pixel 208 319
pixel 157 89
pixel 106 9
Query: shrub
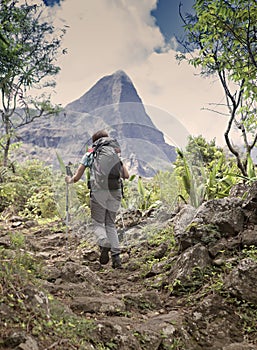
pixel 28 190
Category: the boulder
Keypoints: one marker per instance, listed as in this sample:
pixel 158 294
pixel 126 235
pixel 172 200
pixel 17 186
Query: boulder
pixel 189 263
pixel 242 281
pixel 213 220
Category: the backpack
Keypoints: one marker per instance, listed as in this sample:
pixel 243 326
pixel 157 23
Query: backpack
pixel 106 166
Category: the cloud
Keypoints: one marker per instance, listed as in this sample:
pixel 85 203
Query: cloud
pixel 176 88
pixel 108 35
pixel 173 43
pixel 104 36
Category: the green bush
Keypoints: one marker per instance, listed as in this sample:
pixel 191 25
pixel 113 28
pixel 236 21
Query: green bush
pixel 144 194
pixel 204 171
pixel 28 191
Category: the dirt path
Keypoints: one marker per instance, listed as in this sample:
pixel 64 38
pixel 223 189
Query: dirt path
pixel 131 308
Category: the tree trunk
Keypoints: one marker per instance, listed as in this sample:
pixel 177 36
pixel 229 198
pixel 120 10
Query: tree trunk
pixel 6 151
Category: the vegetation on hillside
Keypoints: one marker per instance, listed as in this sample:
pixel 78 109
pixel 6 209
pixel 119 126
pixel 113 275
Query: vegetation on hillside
pixel 45 316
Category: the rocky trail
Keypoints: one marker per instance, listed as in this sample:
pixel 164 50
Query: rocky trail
pixel 187 283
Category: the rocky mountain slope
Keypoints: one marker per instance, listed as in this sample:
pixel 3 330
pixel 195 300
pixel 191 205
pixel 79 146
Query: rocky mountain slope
pixel 113 104
pixel 188 283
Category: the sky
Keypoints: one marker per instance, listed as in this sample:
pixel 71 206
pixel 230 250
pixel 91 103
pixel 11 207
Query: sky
pixel 140 38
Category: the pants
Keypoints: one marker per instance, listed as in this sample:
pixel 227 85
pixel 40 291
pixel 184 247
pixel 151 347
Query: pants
pixel 104 206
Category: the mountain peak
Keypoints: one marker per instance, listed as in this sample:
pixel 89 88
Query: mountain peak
pixel 120 74
pixel 112 104
pixel 111 89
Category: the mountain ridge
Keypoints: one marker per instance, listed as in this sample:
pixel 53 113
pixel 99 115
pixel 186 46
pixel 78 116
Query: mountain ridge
pixel 112 103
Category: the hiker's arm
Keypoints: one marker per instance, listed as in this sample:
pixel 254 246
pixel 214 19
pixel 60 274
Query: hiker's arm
pixel 77 175
pixel 124 172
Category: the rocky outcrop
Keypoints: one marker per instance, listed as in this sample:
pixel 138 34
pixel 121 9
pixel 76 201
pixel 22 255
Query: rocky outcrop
pixel 213 221
pixel 242 281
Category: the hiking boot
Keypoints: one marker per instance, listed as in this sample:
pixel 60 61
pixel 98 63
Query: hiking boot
pixel 116 262
pixel 104 255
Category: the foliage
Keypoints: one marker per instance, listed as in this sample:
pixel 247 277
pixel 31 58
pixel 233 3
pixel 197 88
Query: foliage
pixel 165 235
pixel 200 152
pixel 221 177
pixel 168 183
pixel 193 185
pixel 139 193
pixel 209 279
pixel 204 171
pixel 248 314
pixel 29 191
pixel 193 166
pixel 144 194
pixel 221 38
pixel 32 189
pixel 29 47
pixel 53 325
pixel 158 239
pixel 250 252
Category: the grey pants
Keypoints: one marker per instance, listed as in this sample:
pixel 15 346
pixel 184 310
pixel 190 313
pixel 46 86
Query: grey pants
pixel 104 206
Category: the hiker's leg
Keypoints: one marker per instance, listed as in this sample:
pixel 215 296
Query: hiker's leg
pixel 111 232
pixel 113 204
pixel 98 213
pixel 113 239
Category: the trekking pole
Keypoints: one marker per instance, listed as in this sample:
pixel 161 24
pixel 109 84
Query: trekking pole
pixel 123 228
pixel 122 220
pixel 69 173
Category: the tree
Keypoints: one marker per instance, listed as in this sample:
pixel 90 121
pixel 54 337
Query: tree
pixel 221 38
pixel 200 152
pixel 29 48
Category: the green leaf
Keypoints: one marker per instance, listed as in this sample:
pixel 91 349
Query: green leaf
pixel 250 168
pixel 61 163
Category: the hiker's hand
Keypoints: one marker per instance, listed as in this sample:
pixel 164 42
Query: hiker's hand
pixel 68 179
pixel 75 178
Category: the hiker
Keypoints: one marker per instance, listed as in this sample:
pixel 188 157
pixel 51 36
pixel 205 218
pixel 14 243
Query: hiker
pixel 105 194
